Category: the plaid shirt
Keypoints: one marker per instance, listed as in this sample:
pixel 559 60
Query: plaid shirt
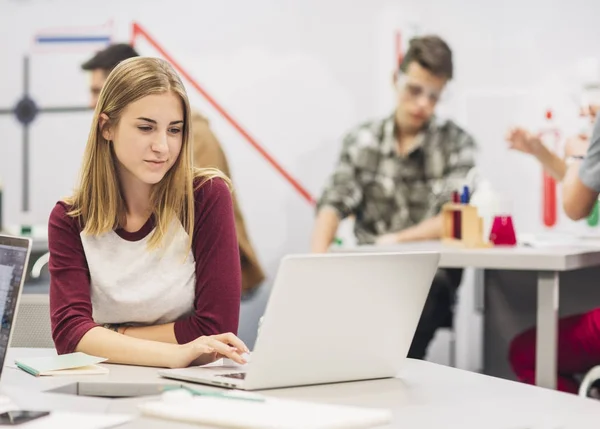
pixel 388 192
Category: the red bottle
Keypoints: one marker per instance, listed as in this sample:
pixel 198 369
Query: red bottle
pixel 549 200
pixel 503 231
pixel 551 137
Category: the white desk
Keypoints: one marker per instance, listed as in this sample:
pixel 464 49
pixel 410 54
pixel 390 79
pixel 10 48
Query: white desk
pixel 547 261
pixel 425 395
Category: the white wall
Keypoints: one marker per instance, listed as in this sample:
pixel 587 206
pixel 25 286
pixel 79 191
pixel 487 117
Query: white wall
pixel 297 75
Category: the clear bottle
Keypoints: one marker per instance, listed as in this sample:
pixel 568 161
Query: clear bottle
pixel 487 203
pixel 26 226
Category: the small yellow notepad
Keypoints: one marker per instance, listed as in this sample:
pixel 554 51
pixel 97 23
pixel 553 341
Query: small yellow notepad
pixel 68 364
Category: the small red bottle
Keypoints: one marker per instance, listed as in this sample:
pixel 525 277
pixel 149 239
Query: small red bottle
pixel 503 231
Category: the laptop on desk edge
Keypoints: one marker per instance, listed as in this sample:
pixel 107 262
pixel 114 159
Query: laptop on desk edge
pixel 14 260
pixel 332 318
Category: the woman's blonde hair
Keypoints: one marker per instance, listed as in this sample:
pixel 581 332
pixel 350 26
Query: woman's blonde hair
pixel 98 201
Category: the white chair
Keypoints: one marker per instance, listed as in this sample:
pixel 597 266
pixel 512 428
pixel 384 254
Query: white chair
pixel 592 376
pixel 32 325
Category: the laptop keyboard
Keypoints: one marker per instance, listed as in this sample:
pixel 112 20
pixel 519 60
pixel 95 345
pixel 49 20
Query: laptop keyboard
pixel 238 375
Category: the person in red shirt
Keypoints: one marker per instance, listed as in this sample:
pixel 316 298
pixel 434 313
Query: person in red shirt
pixel 144 260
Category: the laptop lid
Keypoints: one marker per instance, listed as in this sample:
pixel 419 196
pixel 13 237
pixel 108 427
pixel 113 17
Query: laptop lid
pixel 14 259
pixel 340 317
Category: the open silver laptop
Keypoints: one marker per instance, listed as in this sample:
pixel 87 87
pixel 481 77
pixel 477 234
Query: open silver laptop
pixel 332 318
pixel 14 259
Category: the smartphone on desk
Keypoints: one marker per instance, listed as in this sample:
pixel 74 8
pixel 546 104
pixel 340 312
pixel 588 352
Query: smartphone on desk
pixel 16 417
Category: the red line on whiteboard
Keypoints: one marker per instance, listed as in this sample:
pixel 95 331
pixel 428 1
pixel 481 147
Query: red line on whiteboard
pixel 139 31
pixel 398 53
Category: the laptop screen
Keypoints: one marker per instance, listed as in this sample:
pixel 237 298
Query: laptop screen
pixel 14 256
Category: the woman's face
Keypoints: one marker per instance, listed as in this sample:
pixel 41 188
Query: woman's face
pixel 148 138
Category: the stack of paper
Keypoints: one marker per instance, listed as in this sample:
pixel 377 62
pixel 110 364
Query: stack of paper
pixel 69 364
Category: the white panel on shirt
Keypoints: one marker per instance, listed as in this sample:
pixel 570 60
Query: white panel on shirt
pixel 130 284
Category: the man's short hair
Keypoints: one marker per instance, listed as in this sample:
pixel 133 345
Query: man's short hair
pixel 108 58
pixel 432 53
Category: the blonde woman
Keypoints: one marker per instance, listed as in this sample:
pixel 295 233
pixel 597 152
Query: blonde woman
pixel 208 152
pixel 144 260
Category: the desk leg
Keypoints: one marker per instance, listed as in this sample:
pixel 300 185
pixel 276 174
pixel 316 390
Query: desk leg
pixel 547 324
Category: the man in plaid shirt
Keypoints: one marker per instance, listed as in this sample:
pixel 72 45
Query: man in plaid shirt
pixel 394 174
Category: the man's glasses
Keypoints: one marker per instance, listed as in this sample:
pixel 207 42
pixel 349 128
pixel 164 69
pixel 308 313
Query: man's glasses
pixel 415 90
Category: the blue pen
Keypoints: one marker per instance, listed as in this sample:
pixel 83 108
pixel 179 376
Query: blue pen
pixel 464 198
pixel 242 396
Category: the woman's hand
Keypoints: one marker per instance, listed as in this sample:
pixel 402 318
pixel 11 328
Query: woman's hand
pixel 522 140
pixel 207 349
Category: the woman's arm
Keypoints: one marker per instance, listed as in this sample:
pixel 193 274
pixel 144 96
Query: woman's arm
pixel 133 351
pixel 526 142
pixel 551 162
pixel 164 333
pixel 218 269
pixel 119 348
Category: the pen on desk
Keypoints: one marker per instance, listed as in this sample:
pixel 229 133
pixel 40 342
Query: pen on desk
pixel 242 396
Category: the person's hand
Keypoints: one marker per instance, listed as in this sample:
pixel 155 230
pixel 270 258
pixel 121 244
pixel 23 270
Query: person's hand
pixel 387 239
pixel 577 146
pixel 319 249
pixel 522 140
pixel 207 349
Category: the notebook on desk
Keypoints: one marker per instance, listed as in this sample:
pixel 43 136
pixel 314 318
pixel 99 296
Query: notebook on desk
pixel 273 413
pixel 69 364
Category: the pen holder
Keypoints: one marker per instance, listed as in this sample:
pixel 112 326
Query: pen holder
pixel 462 226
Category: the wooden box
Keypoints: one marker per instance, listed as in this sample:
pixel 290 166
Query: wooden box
pixel 471 226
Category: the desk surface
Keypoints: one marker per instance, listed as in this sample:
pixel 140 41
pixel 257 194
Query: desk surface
pixel 547 258
pixel 425 395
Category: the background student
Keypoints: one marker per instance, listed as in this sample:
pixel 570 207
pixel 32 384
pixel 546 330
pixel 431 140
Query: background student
pixel 395 173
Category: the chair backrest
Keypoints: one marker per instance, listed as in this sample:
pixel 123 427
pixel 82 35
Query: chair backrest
pixel 32 326
pixel 590 382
